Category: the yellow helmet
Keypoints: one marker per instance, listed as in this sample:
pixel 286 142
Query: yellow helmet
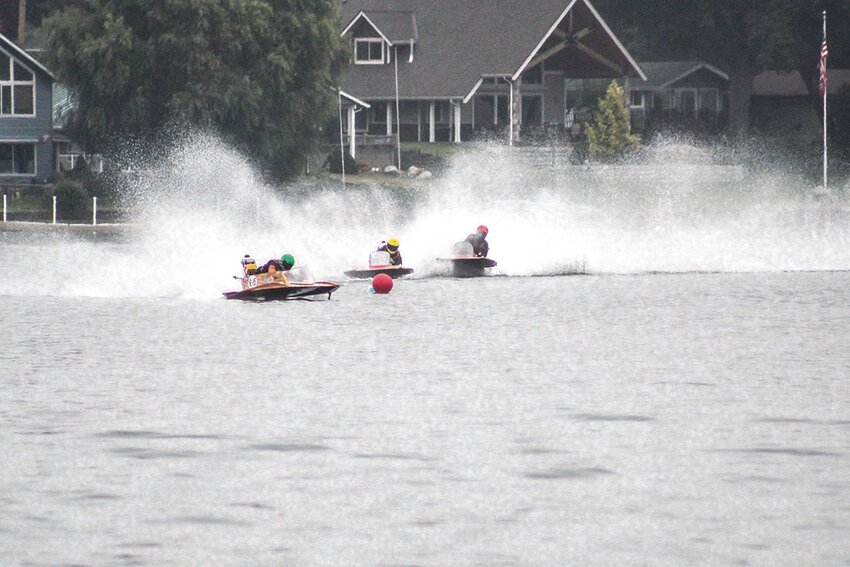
pixel 392 244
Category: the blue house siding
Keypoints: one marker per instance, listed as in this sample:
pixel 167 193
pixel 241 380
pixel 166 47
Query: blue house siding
pixel 28 138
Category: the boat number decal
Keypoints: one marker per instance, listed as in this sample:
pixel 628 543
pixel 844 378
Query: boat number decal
pixel 252 281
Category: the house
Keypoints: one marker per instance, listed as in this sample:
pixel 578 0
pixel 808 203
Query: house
pixel 26 117
pixel 454 70
pixel 781 103
pixel 684 92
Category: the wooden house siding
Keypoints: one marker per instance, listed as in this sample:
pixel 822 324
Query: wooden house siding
pixel 36 129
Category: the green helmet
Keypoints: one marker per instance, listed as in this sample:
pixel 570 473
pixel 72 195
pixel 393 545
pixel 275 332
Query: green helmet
pixel 288 260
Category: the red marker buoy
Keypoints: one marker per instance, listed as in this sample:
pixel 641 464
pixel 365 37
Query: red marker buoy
pixel 382 283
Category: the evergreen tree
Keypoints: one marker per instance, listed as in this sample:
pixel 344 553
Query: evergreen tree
pixel 260 72
pixel 609 136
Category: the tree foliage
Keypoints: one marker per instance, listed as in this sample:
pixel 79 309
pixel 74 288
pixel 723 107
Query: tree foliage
pixel 609 136
pixel 260 72
pixel 741 36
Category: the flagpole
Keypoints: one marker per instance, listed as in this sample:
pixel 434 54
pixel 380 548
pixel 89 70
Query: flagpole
pixel 825 89
pixel 341 144
pixel 397 113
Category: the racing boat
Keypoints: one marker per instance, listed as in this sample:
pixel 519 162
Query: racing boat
pixel 464 263
pixel 379 263
pixel 295 283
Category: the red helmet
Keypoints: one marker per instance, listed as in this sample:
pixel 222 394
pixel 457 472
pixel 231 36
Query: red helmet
pixel 482 228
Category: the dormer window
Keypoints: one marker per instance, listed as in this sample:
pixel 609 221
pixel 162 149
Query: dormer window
pixel 370 51
pixel 17 88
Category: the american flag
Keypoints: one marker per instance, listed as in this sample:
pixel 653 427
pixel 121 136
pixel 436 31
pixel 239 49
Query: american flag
pixel 822 66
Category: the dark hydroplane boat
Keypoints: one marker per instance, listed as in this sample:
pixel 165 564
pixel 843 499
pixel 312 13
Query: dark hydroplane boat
pixel 464 263
pixel 290 284
pixel 379 263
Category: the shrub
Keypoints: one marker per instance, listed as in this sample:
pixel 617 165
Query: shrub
pixel 72 200
pixel 333 161
pixel 609 136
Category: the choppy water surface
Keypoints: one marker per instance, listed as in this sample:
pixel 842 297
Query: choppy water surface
pixel 625 416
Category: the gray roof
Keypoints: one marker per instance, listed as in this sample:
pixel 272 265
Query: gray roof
pixel 790 83
pixel 460 41
pixel 398 26
pixel 779 83
pixel 662 73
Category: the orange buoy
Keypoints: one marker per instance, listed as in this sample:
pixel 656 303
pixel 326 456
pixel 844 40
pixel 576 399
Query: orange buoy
pixel 382 283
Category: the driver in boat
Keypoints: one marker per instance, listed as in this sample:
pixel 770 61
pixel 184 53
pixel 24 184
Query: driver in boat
pixel 391 247
pixel 480 247
pixel 274 265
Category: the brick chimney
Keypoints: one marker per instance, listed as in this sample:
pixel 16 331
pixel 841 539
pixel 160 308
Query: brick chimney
pixel 22 22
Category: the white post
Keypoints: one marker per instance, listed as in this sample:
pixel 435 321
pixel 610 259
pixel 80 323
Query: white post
pixel 511 129
pixel 352 134
pixel 4 207
pixel 432 128
pixel 389 120
pixel 94 211
pixel 54 209
pixel 457 122
pixel 823 72
pixel 418 120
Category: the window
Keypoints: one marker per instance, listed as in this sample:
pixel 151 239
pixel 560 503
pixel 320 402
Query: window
pixel 17 159
pixel 637 99
pixel 17 88
pixel 379 112
pixel 688 106
pixel 440 114
pixel 369 51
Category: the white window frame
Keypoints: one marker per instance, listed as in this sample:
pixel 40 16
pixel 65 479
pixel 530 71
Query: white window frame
pixel 12 83
pixel 370 40
pixel 34 144
pixel 642 104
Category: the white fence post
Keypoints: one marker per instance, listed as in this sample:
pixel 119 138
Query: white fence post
pixel 4 207
pixel 94 211
pixel 54 209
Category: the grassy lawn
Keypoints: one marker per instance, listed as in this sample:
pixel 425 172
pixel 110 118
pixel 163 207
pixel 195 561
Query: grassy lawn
pixel 440 149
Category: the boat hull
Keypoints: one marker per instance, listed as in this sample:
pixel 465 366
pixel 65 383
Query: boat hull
pixel 468 267
pixel 276 292
pixel 367 273
pixel 291 284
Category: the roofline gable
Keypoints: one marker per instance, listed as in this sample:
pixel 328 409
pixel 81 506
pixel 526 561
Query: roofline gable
pixel 694 69
pixel 354 99
pixel 23 54
pixel 534 51
pixel 473 91
pixel 605 27
pixel 355 19
pixel 619 45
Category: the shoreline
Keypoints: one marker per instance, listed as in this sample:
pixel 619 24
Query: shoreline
pixel 73 228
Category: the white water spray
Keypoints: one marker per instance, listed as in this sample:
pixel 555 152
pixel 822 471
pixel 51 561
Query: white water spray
pixel 196 216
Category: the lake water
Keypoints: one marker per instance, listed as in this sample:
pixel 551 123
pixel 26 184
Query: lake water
pixel 686 400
